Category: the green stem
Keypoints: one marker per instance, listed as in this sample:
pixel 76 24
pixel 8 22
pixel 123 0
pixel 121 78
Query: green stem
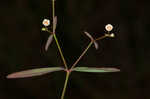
pixel 56 40
pixel 102 37
pixel 60 51
pixel 83 53
pixel 65 85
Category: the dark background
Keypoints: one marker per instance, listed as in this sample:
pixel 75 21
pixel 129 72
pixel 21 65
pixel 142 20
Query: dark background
pixel 20 36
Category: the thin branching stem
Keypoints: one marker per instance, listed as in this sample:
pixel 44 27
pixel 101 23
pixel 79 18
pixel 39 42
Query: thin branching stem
pixel 84 52
pixel 102 37
pixel 58 45
pixel 60 51
pixel 65 84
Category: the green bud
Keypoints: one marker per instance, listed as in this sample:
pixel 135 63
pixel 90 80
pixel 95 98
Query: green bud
pixel 44 29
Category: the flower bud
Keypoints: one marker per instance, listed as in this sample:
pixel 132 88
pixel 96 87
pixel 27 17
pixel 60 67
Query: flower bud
pixel 44 29
pixel 112 35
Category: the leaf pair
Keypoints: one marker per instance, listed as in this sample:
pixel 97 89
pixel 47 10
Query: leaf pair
pixel 42 71
pixel 50 38
pixel 92 39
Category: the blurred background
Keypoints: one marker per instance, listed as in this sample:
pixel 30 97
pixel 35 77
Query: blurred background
pixel 20 36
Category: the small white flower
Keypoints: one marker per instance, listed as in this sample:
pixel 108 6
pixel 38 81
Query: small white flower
pixel 108 27
pixel 46 22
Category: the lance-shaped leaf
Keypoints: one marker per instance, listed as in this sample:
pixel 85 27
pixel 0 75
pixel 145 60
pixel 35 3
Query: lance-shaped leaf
pixel 34 72
pixel 54 24
pixel 49 41
pixel 92 39
pixel 88 35
pixel 96 45
pixel 95 70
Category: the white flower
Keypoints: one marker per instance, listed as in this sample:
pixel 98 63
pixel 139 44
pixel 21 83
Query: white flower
pixel 108 27
pixel 46 22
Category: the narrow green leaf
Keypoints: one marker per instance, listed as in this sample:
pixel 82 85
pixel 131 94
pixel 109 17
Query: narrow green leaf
pixel 95 70
pixel 34 72
pixel 54 23
pixel 49 41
